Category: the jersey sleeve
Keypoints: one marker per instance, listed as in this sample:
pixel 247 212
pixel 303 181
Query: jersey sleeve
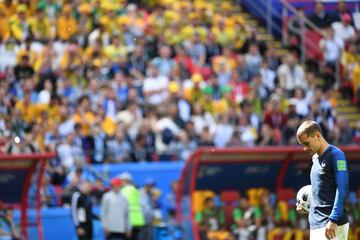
pixel 341 172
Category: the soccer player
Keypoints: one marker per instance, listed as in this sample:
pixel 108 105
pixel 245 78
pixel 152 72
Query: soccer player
pixel 329 180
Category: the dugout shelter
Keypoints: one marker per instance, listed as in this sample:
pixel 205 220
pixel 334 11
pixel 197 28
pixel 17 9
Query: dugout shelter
pixel 17 174
pixel 230 172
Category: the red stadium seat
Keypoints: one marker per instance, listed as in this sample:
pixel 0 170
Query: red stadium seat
pixel 229 198
pixel 312 39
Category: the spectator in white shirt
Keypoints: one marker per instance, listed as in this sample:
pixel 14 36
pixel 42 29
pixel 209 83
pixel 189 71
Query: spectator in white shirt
pixel 331 47
pixel 268 76
pixel 45 94
pixel 300 102
pixel 69 153
pixel 291 75
pixel 224 131
pixel 343 29
pixel 253 59
pixel 155 86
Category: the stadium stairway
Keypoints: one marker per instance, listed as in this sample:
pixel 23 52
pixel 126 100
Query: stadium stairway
pixel 268 38
pixel 344 107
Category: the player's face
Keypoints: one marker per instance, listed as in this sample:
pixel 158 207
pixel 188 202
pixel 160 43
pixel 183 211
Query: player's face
pixel 311 144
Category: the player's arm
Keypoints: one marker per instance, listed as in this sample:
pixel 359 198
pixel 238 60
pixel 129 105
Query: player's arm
pixel 341 172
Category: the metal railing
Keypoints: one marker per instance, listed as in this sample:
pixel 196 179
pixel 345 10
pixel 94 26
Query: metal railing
pixel 287 7
pixel 275 18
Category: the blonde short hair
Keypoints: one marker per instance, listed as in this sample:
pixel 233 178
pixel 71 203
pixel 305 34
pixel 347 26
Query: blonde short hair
pixel 309 128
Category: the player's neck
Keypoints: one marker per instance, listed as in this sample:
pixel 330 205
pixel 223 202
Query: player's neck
pixel 324 145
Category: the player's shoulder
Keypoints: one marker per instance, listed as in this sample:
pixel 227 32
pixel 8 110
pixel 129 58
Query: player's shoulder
pixel 336 152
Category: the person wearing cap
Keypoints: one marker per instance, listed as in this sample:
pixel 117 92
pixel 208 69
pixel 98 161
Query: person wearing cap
pixel 344 29
pixel 115 213
pixel 132 194
pixel 194 92
pixel 81 211
pixel 85 18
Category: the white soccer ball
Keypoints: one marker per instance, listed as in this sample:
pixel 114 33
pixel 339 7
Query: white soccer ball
pixel 303 197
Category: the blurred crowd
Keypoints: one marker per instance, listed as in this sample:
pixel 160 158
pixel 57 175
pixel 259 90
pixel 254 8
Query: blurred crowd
pixel 116 81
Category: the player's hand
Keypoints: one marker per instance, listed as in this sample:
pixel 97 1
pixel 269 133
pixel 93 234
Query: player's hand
pixel 300 209
pixel 330 230
pixel 129 234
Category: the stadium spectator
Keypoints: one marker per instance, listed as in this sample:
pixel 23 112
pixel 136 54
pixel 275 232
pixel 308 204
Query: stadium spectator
pixel 66 24
pixel 23 70
pixel 253 59
pixel 320 17
pixel 118 148
pixel 48 196
pixel 291 75
pixel 300 102
pixel 163 62
pixel 268 76
pixel 349 59
pixel 344 29
pixel 341 10
pixel 223 132
pixel 155 86
pixel 197 50
pixel 343 132
pixel 274 115
pixel 332 47
pixel 267 136
pixel 170 203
